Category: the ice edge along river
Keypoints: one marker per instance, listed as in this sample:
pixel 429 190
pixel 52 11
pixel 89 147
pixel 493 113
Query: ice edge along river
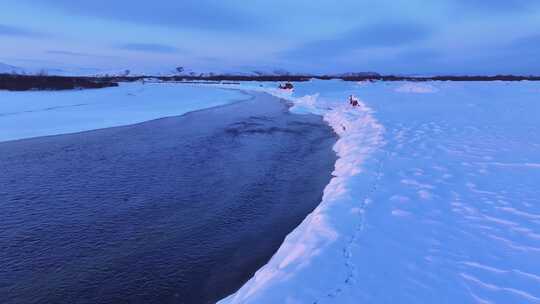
pixel 330 230
pixel 43 113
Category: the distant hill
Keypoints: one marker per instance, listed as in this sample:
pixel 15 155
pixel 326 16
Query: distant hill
pixel 10 69
pixel 13 82
pixel 241 74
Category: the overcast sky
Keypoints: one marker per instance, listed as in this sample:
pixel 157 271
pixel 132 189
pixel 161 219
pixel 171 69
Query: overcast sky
pixel 387 36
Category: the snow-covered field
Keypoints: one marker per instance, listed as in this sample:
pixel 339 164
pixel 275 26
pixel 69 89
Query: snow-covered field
pixel 39 113
pixel 436 198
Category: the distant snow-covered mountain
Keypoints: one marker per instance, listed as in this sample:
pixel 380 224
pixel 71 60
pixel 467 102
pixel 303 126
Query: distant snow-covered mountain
pixel 10 69
pixel 163 71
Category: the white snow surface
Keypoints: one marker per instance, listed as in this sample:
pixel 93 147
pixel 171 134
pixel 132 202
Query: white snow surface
pixel 40 113
pixel 416 87
pixel 435 198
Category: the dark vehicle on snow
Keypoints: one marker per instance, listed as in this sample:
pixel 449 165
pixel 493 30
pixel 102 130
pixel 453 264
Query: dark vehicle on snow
pixel 286 86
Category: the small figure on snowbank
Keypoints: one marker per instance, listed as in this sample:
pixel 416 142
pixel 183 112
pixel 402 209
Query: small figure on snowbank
pixel 353 101
pixel 286 86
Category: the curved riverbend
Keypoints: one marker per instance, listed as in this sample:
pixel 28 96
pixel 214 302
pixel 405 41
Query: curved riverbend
pixel 176 210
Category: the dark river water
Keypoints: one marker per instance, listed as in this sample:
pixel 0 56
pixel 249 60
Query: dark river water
pixel 176 210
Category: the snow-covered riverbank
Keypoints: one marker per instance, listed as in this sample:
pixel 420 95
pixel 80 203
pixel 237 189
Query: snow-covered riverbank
pixel 40 113
pixel 435 199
